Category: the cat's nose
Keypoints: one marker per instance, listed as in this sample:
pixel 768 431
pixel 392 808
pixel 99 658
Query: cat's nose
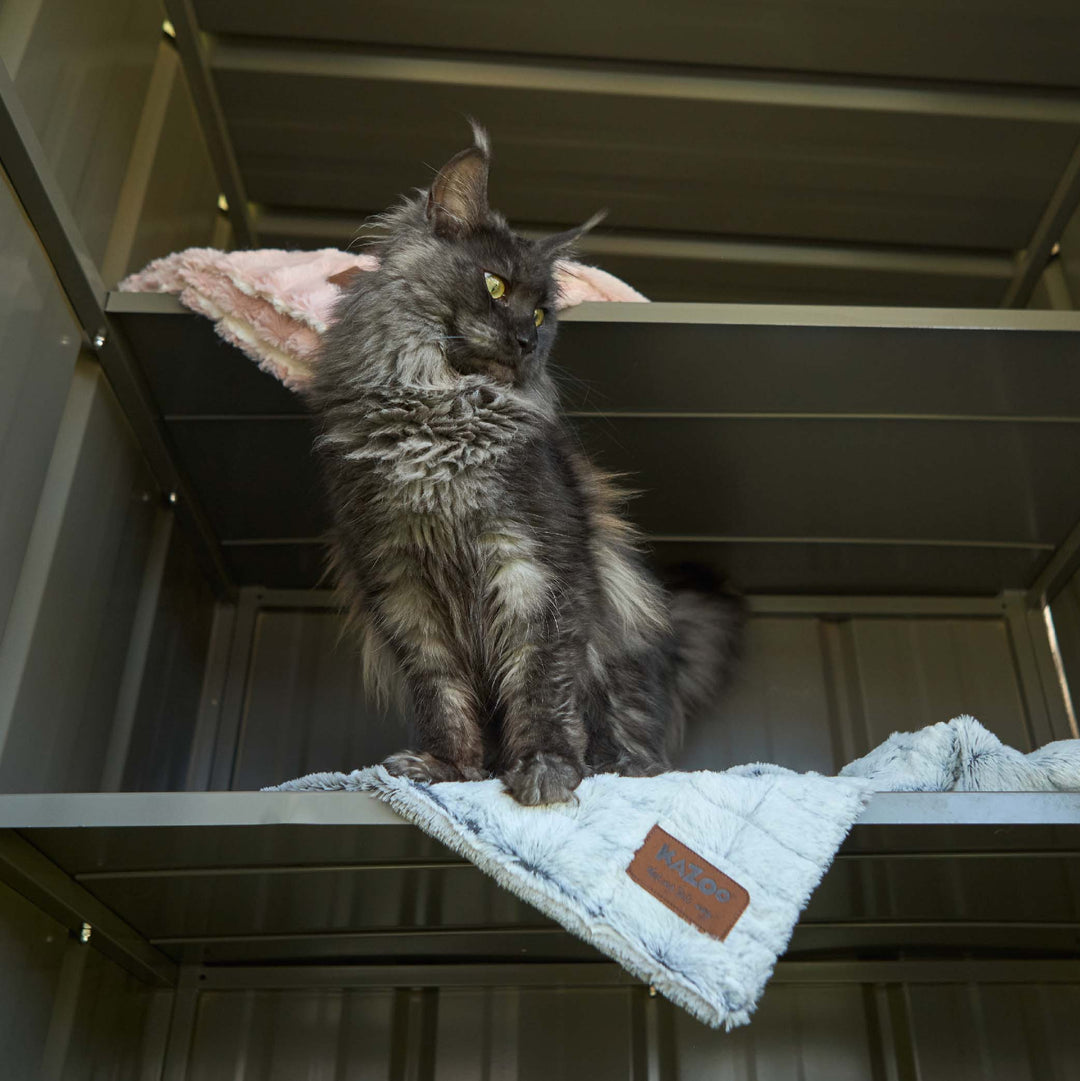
pixel 526 340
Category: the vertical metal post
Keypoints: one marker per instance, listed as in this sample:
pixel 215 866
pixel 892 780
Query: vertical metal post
pixel 651 1046
pixel 213 690
pixel 142 629
pixel 181 1025
pixel 414 1034
pixel 1061 206
pixel 65 1005
pixel 847 723
pixel 213 757
pixel 1057 287
pixel 230 721
pixel 1048 711
pixel 892 1020
pixel 1059 675
pixel 155 1035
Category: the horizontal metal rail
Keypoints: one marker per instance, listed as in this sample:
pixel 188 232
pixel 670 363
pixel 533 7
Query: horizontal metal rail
pixel 843 317
pixel 657 247
pixel 169 810
pixel 648 81
pixel 608 974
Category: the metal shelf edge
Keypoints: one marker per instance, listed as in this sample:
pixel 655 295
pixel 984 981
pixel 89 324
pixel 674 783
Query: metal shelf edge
pixel 186 809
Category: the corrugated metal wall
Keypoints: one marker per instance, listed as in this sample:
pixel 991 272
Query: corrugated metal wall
pixel 78 508
pixel 31 954
pixel 67 1013
pixel 78 511
pixel 79 532
pixel 813 1032
pixel 815 692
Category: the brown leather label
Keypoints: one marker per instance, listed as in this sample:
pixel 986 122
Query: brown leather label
pixel 679 878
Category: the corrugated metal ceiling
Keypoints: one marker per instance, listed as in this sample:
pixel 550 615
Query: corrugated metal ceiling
pixel 833 151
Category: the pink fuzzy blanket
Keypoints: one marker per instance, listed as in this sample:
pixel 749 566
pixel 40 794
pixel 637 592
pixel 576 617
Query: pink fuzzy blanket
pixel 274 305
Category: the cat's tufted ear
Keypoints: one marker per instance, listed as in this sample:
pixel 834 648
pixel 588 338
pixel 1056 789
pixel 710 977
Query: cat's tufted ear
pixel 458 198
pixel 562 243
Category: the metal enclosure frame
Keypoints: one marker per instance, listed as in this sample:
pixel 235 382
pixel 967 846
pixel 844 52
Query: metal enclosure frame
pixel 35 860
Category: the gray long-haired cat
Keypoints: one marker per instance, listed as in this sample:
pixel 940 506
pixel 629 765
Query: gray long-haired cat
pixel 484 559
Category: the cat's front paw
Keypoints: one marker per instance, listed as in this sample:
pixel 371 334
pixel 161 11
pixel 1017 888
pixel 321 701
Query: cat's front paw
pixel 427 769
pixel 542 778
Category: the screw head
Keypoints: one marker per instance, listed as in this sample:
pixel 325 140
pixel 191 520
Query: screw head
pixel 99 339
pixel 172 498
pixel 85 932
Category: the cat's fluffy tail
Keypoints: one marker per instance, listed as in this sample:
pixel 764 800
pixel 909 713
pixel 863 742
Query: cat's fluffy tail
pixel 709 620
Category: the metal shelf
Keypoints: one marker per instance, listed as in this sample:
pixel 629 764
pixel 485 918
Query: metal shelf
pixel 242 879
pixel 798 448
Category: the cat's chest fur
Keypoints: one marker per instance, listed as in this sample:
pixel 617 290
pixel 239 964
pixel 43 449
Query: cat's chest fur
pixel 432 467
pixel 440 486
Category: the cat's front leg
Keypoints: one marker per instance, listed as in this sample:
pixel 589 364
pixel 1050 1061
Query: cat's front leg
pixel 436 674
pixel 451 748
pixel 544 738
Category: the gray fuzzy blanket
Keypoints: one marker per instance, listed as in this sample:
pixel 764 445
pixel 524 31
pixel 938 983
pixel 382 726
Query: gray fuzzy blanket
pixel 694 882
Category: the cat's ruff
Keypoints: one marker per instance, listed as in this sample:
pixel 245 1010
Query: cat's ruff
pixel 772 831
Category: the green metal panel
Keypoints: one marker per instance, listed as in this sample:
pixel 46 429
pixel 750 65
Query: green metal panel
pixel 302 669
pixel 31 954
pixel 963 40
pixel 735 168
pixel 280 1036
pixel 180 207
pixel 82 74
pixel 1066 614
pixel 163 731
pixel 972 1033
pixel 63 657
pixel 38 345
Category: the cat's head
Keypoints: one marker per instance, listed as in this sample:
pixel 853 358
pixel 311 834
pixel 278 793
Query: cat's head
pixel 486 294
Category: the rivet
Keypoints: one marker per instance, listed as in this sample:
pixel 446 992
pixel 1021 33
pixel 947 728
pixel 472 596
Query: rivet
pixel 85 932
pixel 99 339
pixel 173 498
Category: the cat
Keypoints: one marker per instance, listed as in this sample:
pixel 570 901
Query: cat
pixel 484 561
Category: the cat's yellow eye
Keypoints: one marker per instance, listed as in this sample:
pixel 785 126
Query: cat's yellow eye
pixel 495 285
pixel 538 316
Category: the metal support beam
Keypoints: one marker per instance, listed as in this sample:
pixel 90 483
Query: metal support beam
pixel 987 814
pixel 609 974
pixel 192 46
pixel 648 81
pixel 1063 203
pixel 340 230
pixel 1047 716
pixel 32 179
pixel 39 880
pixel 887 606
